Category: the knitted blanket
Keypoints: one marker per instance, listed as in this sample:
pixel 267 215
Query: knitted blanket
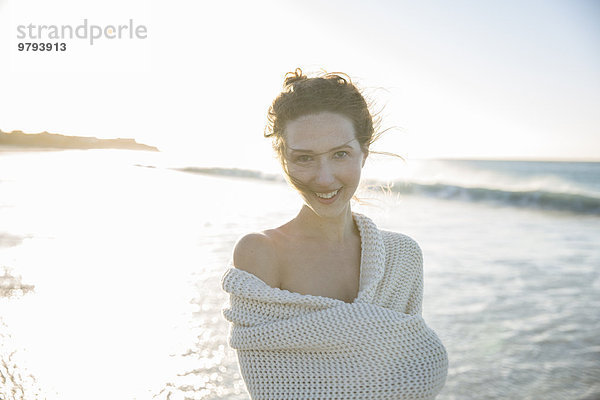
pixel 296 346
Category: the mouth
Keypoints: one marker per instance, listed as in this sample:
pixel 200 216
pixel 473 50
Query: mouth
pixel 329 197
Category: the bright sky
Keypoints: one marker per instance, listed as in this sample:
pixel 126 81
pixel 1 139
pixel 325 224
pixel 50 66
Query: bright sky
pixel 471 79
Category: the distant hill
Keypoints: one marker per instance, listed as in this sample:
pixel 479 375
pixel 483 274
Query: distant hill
pixel 57 141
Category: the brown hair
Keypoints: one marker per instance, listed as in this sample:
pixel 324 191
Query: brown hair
pixel 333 92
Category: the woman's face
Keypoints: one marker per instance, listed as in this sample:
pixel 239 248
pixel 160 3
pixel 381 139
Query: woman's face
pixel 323 153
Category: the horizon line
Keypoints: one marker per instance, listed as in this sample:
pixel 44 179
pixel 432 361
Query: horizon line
pixel 524 159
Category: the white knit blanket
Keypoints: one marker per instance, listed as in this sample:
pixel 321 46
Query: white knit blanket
pixel 297 346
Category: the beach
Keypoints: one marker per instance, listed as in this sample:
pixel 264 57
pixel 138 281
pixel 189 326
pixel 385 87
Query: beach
pixel 125 255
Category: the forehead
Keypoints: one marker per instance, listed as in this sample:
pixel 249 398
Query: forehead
pixel 319 132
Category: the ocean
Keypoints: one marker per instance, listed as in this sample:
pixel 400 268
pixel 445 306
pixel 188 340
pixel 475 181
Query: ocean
pixel 111 261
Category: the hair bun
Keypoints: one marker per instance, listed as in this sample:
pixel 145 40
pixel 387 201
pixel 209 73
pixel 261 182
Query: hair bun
pixel 293 77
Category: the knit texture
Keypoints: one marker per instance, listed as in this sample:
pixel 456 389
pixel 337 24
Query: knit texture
pixel 296 346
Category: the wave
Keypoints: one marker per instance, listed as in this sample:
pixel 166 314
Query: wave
pixel 538 199
pixel 235 172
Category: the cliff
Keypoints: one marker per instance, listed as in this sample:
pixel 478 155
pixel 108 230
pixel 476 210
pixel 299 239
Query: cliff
pixel 57 141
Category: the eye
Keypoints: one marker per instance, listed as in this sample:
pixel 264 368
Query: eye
pixel 302 158
pixel 341 154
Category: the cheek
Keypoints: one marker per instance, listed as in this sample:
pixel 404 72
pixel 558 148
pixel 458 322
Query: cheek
pixel 356 168
pixel 299 173
pixel 351 175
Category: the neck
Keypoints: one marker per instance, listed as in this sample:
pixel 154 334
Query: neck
pixel 335 230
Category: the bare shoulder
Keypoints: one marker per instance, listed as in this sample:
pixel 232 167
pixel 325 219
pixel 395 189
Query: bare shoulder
pixel 255 253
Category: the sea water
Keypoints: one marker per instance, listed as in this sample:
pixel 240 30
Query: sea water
pixel 125 253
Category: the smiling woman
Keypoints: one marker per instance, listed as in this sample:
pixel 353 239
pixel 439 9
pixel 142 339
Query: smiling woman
pixel 327 305
pixel 334 172
pixel 304 97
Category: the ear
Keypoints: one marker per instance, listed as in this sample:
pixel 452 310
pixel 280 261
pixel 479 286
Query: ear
pixel 365 155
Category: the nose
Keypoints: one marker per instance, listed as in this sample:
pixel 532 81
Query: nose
pixel 324 175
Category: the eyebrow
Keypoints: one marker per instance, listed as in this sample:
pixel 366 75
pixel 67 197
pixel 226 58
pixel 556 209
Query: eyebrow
pixel 332 149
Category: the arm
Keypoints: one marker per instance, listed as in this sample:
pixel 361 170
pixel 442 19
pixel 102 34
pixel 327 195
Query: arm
pixel 415 300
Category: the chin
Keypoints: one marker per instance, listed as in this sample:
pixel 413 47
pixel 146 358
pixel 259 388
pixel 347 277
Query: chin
pixel 332 210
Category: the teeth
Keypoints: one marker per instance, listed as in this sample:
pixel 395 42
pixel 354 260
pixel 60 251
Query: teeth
pixel 327 195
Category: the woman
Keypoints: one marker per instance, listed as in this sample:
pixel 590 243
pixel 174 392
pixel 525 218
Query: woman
pixel 328 306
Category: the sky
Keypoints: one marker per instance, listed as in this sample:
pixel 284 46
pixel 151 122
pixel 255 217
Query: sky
pixel 461 79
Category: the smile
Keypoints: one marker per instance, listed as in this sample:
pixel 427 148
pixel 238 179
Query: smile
pixel 327 195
